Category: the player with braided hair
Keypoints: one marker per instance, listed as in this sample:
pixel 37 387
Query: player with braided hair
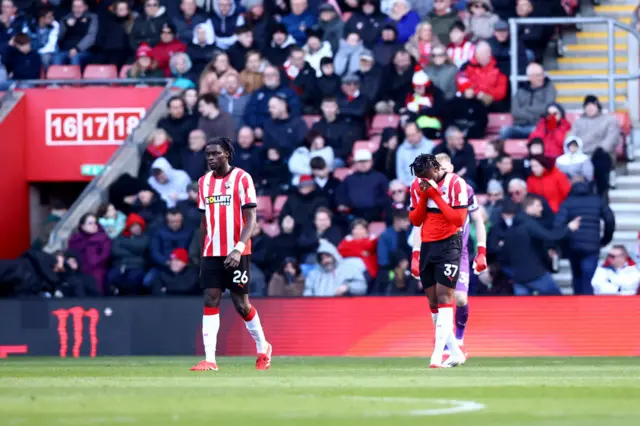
pixel 439 202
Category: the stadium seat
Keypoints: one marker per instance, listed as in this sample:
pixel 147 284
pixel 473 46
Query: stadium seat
pixel 124 70
pixel 377 228
pixel 572 116
pixel 381 121
pixel 278 204
pixel 376 139
pixel 341 173
pixel 517 148
pixel 478 147
pixel 64 72
pixel 265 208
pixel 311 119
pixel 368 145
pixel 100 72
pixel 272 229
pixel 497 122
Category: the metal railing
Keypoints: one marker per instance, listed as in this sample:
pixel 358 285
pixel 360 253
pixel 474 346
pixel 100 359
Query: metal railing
pixel 22 84
pixel 125 159
pixel 610 76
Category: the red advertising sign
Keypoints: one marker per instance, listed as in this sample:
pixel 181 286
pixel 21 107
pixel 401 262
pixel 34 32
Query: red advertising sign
pixel 67 128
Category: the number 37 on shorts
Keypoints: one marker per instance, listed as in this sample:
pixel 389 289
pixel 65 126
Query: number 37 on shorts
pixel 447 274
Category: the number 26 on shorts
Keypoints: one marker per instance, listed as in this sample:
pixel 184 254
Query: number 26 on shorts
pixel 240 277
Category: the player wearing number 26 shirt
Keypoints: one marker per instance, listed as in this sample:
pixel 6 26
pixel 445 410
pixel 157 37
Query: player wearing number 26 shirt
pixel 228 199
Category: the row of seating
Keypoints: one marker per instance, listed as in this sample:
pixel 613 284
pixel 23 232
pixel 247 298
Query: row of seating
pixel 91 72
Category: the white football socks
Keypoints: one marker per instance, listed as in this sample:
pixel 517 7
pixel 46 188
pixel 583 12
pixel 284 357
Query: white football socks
pixel 210 327
pixel 252 322
pixel 444 331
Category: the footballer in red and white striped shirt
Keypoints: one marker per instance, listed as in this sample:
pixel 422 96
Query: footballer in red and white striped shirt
pixel 228 198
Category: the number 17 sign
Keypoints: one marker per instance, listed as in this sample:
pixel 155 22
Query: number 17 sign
pixel 91 126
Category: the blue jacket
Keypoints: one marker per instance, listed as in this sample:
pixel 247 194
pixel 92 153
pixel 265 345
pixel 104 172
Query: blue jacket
pixel 392 248
pixel 257 109
pixel 285 135
pixel 294 22
pixel 185 28
pixel 225 26
pixel 364 190
pixel 406 26
pixel 583 202
pixel 164 241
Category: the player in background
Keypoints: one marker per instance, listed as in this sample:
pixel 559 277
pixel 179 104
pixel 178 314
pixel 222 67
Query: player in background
pixel 228 198
pixel 439 205
pixel 480 262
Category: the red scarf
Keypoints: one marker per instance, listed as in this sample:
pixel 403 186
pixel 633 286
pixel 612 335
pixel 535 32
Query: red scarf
pixel 158 150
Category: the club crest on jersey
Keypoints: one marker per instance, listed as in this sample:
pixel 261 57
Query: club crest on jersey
pixel 223 200
pixel 227 185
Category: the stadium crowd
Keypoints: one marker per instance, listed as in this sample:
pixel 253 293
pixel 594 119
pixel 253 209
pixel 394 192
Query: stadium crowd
pixel 298 86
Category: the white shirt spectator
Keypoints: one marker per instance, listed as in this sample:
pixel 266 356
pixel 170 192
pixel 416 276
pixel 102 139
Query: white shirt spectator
pixel 619 275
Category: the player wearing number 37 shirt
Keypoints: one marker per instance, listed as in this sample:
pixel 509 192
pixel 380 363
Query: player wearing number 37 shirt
pixel 227 197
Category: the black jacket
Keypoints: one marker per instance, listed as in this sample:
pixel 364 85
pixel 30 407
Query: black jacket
pixel 238 55
pixel 305 85
pixel 396 86
pixel 173 156
pixel 183 283
pixel 130 252
pixel 247 159
pixel 364 191
pixel 502 53
pixel 178 130
pixel 194 163
pixel 28 275
pixel 383 52
pixel 355 110
pixel 310 238
pixel 285 135
pixel 328 87
pixel 191 213
pixel 23 66
pixel 368 26
pixel 591 208
pixel 370 83
pixel 147 30
pixel 153 214
pixel 302 208
pixel 339 135
pixel 329 189
pixel 469 115
pixel 283 246
pixel 466 158
pixel 200 57
pixel 112 35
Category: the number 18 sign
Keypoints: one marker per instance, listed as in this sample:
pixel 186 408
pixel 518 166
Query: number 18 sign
pixel 91 126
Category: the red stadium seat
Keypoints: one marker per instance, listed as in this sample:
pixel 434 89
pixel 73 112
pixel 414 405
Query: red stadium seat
pixel 377 228
pixel 368 145
pixel 497 122
pixel 624 121
pixel 278 204
pixel 265 208
pixel 376 139
pixel 381 121
pixel 572 116
pixel 517 148
pixel 124 70
pixel 272 229
pixel 311 119
pixel 342 173
pixel 100 72
pixel 479 146
pixel 64 72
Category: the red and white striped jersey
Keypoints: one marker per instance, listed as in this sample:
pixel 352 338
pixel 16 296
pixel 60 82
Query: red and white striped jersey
pixel 462 53
pixel 454 192
pixel 222 200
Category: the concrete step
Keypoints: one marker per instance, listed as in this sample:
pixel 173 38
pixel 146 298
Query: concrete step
pixel 570 101
pixel 628 182
pixel 624 196
pixel 622 10
pixel 633 168
pixel 628 222
pixel 595 49
pixel 598 89
pixel 602 36
pixel 583 72
pixel 600 63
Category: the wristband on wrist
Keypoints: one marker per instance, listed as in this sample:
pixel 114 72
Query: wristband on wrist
pixel 482 250
pixel 240 247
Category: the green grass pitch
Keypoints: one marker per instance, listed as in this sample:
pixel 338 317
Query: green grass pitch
pixel 320 391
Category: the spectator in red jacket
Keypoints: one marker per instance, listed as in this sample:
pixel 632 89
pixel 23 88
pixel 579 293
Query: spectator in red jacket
pixel 547 181
pixel 167 47
pixel 552 129
pixel 488 82
pixel 360 244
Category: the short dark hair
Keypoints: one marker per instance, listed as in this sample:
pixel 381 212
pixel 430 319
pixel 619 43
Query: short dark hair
pixel 424 162
pixel 530 200
pixel 173 211
pixel 176 98
pixel 502 157
pixel 224 143
pixel 310 137
pixel 45 9
pixel 458 25
pixel 295 48
pixel 102 209
pixel 243 29
pixel 399 214
pixel 21 39
pixel 209 98
pixel 535 141
pixel 329 99
pixel 252 52
pixel 498 145
pixel 84 217
pixel 324 210
pixel 317 163
pixel 359 222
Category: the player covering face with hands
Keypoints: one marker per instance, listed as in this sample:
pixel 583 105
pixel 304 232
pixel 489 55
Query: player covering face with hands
pixel 439 205
pixel 228 198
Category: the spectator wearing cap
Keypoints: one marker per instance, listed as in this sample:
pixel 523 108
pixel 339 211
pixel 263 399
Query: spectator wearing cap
pixel 347 58
pixel 370 75
pixel 273 174
pixel 78 33
pixel 353 105
pixel 329 82
pixel 201 48
pixel 487 80
pixel 213 121
pixel 244 44
pixel 189 207
pixel 302 78
pixel 425 105
pixel 460 48
pixel 233 99
pixel 21 61
pixel 618 275
pixel 420 44
pixel 226 17
pixel 147 26
pixel 177 124
pixel 501 47
pixel 278 50
pixel 398 85
pixel 112 41
pixel 481 20
pixel 442 72
pixel 314 146
pixel 247 155
pixel 363 194
pixel 188 19
pixel 584 244
pixel 299 20
pixel 385 51
pixel 338 131
pixel 552 128
pixel 549 182
pixel 287 281
pixel 129 252
pixel 193 158
pixel 442 18
pixel 169 182
pixel 326 183
pixel 466 111
pixel 405 19
pixel 368 21
pixel 145 66
pixel 302 204
pixel 178 279
pixel 316 49
pixel 463 157
pixel 530 103
pixel 394 257
pixel 415 143
pixel 385 156
pixel 575 163
pixel 282 130
pixel 331 25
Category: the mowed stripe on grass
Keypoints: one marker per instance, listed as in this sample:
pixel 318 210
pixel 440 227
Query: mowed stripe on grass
pixel 320 391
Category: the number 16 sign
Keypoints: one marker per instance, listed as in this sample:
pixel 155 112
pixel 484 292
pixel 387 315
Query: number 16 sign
pixel 91 126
